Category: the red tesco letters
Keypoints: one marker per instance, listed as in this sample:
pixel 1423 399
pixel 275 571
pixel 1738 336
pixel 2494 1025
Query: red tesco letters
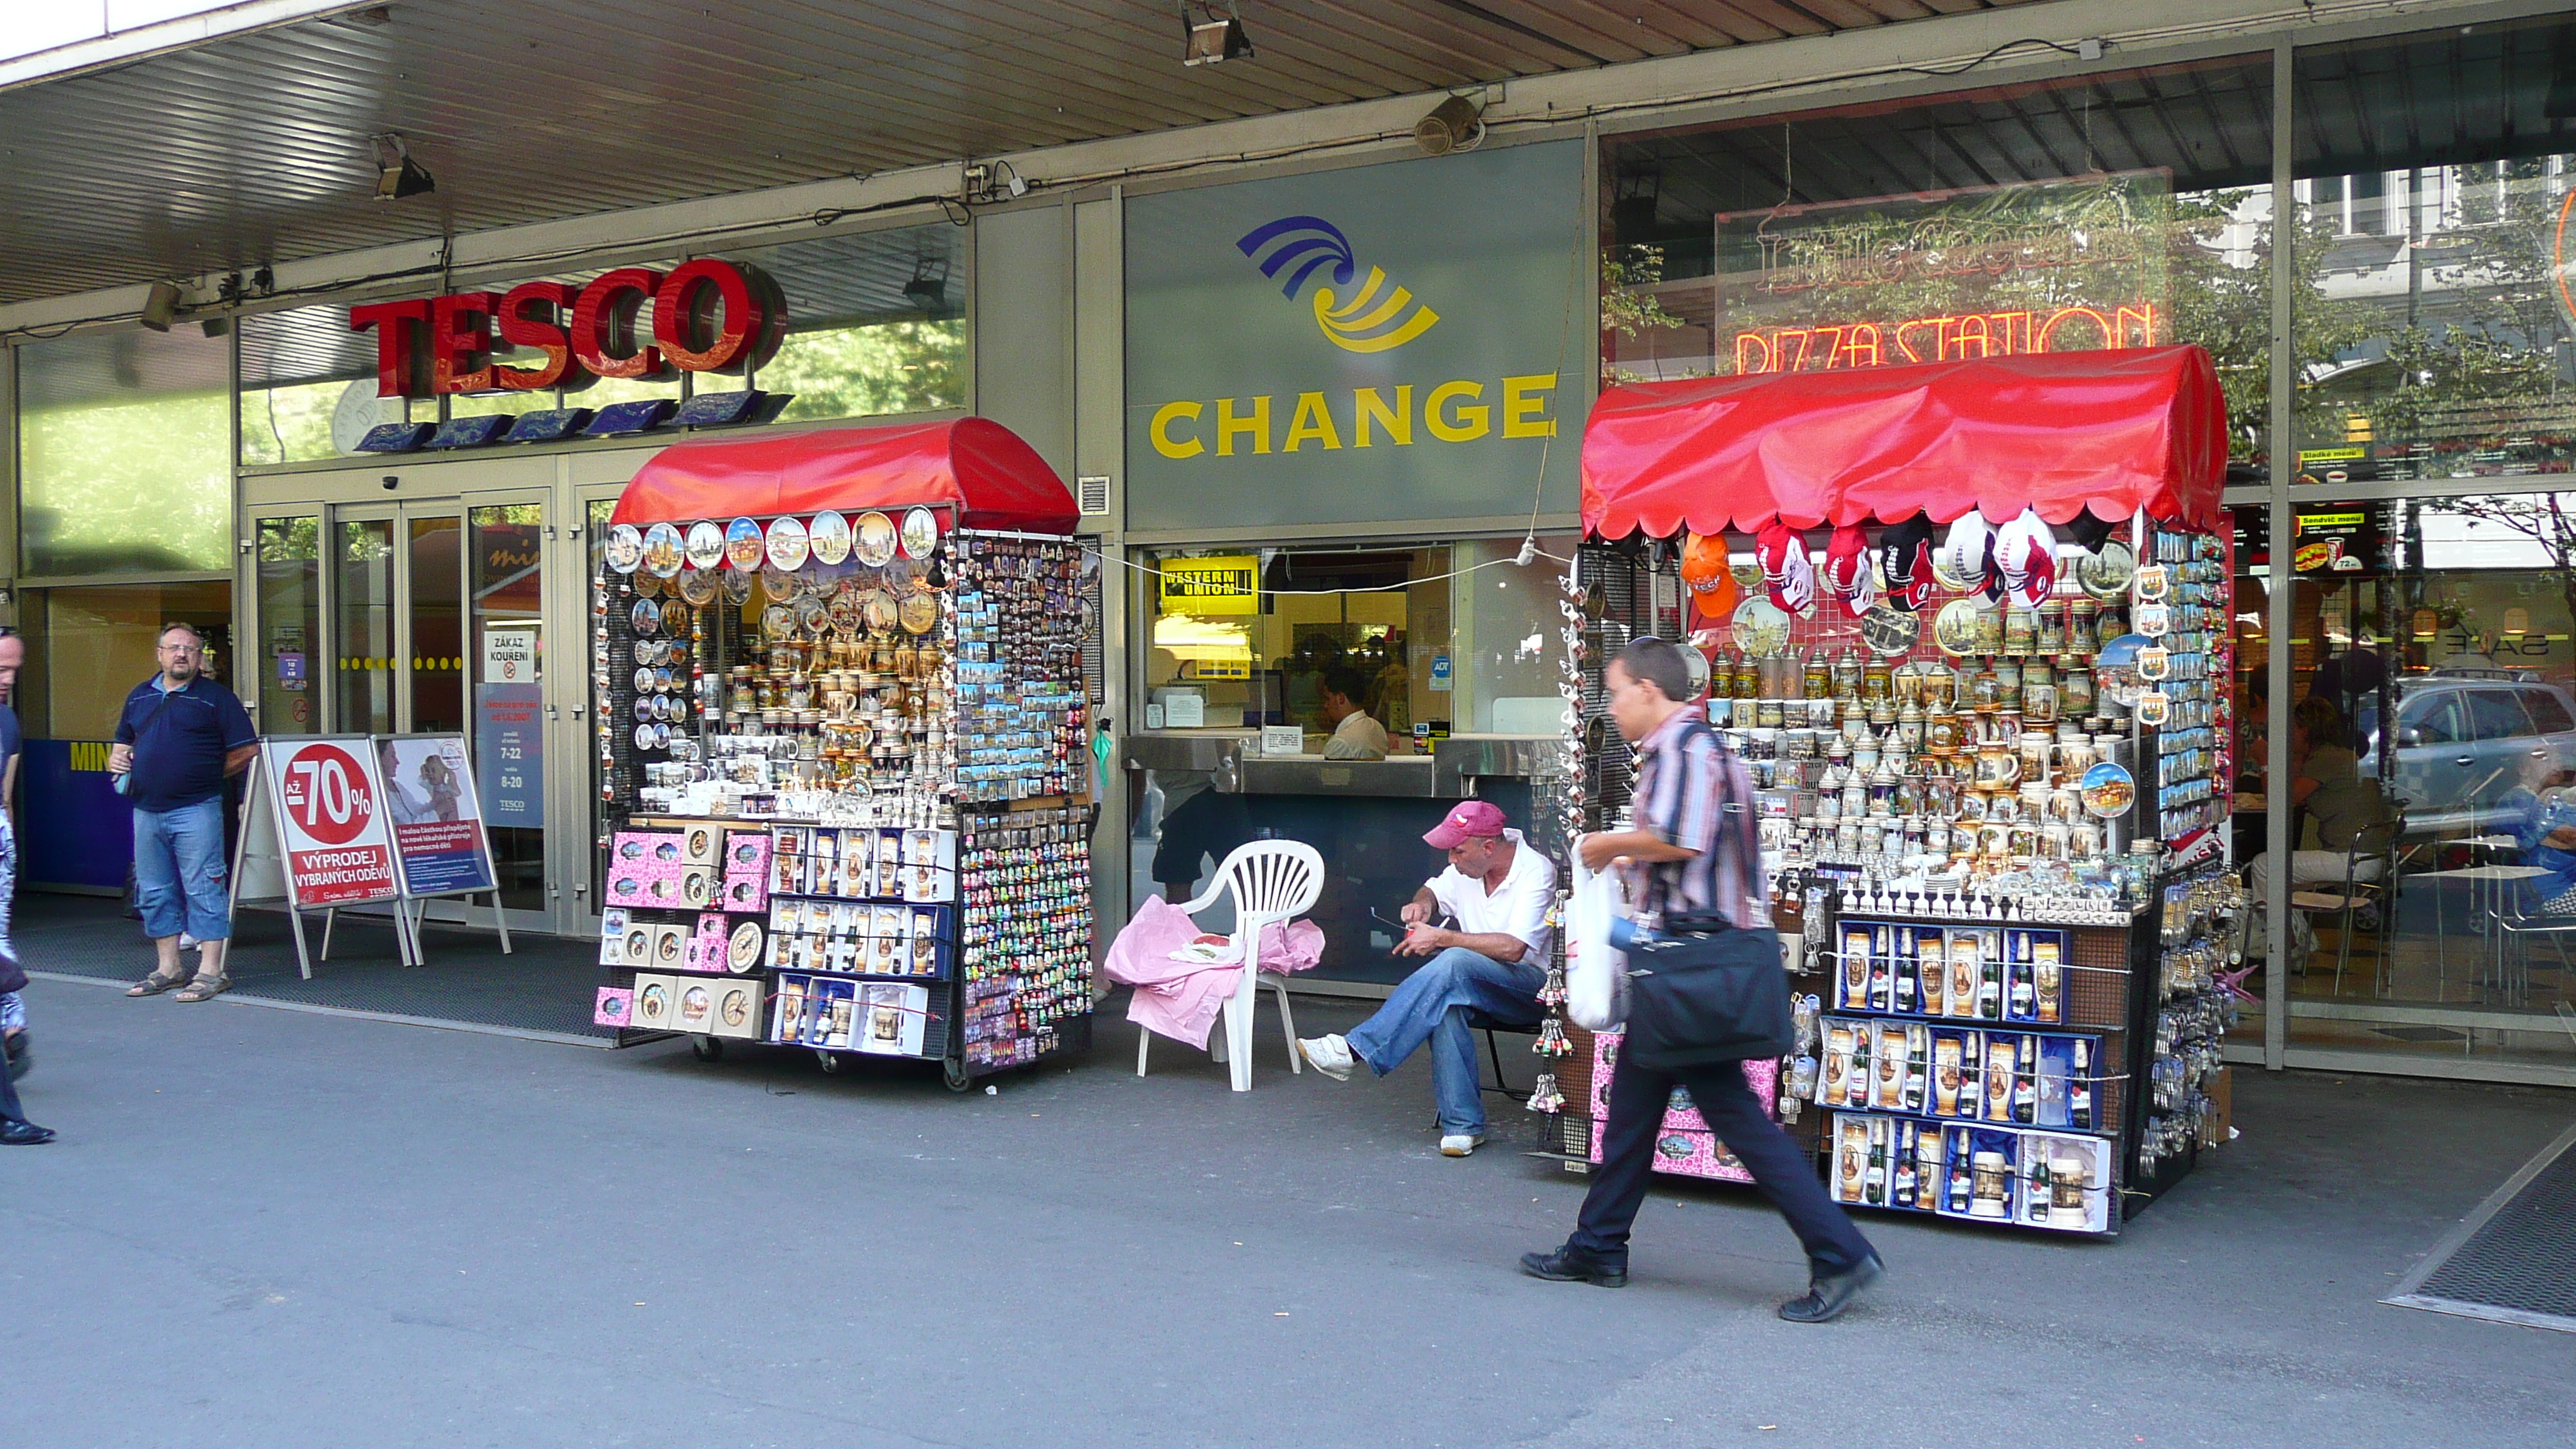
pixel 708 315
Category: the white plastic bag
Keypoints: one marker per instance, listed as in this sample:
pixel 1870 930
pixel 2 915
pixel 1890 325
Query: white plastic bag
pixel 1596 972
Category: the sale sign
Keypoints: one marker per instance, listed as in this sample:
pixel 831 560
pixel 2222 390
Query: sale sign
pixel 438 824
pixel 331 822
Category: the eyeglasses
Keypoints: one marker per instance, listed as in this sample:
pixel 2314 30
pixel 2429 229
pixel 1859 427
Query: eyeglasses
pixel 183 648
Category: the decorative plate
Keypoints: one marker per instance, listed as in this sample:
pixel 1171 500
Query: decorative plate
pixel 661 737
pixel 829 537
pixel 788 544
pixel 661 681
pixel 1955 627
pixel 920 533
pixel 643 652
pixel 663 553
pixel 781 586
pixel 737 585
pixel 646 616
pixel 744 546
pixel 625 548
pixel 876 539
pixel 2108 791
pixel 698 586
pixel 845 611
pixel 705 545
pixel 644 737
pixel 647 586
pixel 908 576
pixel 1889 630
pixel 812 616
pixel 777 622
pixel 1761 627
pixel 877 609
pixel 643 676
pixel 2106 571
pixel 919 614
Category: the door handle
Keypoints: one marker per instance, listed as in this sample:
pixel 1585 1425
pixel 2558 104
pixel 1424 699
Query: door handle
pixel 2464 760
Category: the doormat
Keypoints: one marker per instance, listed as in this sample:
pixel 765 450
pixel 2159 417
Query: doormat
pixel 2514 1259
pixel 2420 1034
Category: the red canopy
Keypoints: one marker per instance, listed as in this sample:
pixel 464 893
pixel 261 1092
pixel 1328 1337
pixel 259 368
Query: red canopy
pixel 2113 431
pixel 995 479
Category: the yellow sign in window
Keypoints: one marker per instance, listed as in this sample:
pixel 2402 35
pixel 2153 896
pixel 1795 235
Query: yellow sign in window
pixel 1220 584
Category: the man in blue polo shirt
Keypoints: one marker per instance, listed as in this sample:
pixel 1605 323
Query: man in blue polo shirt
pixel 181 735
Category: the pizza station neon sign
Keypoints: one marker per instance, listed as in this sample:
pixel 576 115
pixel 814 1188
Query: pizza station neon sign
pixel 706 315
pixel 1824 347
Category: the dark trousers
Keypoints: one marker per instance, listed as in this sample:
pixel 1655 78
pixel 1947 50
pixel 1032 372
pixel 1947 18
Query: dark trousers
pixel 10 1111
pixel 1780 1170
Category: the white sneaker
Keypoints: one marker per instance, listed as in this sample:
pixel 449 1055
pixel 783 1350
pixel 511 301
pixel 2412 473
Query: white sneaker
pixel 1459 1144
pixel 1327 1054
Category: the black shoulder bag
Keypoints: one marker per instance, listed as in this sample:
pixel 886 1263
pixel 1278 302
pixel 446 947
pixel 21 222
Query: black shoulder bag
pixel 1704 990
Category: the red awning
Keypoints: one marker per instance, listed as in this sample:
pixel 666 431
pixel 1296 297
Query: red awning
pixel 994 479
pixel 2113 431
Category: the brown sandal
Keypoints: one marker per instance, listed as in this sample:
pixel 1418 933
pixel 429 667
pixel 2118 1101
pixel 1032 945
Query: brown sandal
pixel 202 989
pixel 156 983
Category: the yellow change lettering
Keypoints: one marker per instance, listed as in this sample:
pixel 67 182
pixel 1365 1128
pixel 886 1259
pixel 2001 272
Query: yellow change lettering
pixel 1525 406
pixel 1228 425
pixel 1470 424
pixel 1311 420
pixel 1164 442
pixel 1368 403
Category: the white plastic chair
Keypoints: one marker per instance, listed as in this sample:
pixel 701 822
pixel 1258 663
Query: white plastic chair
pixel 1273 882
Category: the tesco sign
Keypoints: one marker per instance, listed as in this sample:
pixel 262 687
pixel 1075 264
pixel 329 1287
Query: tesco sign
pixel 707 315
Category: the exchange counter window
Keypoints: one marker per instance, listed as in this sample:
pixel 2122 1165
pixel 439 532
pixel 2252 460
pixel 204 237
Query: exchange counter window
pixel 1445 638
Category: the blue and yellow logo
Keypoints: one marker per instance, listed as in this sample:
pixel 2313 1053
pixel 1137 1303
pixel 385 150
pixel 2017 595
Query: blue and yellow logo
pixel 1378 317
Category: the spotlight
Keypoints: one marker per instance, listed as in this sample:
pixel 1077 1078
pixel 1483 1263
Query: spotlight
pixel 928 288
pixel 159 306
pixel 1205 42
pixel 1449 127
pixel 216 326
pixel 397 175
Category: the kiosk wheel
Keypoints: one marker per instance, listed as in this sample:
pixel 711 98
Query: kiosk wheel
pixel 953 1073
pixel 706 1048
pixel 831 1063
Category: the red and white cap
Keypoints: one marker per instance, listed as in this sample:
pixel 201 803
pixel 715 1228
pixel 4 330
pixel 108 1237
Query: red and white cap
pixel 1967 555
pixel 1849 573
pixel 2026 555
pixel 1470 820
pixel 1786 570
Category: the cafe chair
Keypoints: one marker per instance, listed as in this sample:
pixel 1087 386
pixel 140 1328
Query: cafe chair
pixel 2375 843
pixel 1273 882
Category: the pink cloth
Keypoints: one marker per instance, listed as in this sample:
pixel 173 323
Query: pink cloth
pixel 1181 999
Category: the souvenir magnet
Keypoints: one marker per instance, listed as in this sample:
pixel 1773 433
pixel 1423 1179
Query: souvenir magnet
pixel 2151 581
pixel 2153 707
pixel 2154 620
pixel 2154 662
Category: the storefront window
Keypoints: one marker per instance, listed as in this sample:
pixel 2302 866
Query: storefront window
pixel 2434 640
pixel 1243 639
pixel 2433 318
pixel 121 447
pixel 91 646
pixel 288 553
pixel 2118 210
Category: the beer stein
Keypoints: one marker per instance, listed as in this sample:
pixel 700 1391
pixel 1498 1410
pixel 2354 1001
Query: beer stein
pixel 2038 749
pixel 1998 766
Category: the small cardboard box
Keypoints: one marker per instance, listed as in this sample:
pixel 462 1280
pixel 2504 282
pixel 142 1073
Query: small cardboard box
pixel 654 1006
pixel 739 1009
pixel 697 1004
pixel 615 1005
pixel 2222 1108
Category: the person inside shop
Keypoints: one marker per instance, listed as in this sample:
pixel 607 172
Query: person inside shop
pixel 1356 735
pixel 1498 889
pixel 181 737
pixel 1694 863
pixel 2335 804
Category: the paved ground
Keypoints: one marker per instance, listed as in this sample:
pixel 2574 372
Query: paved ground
pixel 276 1229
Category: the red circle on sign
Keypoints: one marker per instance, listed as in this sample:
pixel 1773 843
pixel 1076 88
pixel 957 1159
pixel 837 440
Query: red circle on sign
pixel 326 794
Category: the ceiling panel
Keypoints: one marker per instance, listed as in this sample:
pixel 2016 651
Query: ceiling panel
pixel 254 149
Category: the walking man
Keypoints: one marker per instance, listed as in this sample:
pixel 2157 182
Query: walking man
pixel 1694 861
pixel 1499 891
pixel 181 736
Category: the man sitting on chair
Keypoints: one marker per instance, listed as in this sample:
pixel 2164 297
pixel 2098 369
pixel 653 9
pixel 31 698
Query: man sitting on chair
pixel 1499 890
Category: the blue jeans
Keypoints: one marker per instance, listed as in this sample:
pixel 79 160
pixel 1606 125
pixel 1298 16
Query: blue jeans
pixel 179 871
pixel 1432 1006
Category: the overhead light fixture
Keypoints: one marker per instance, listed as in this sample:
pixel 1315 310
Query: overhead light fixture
pixel 1209 39
pixel 397 175
pixel 1453 125
pixel 160 305
pixel 928 288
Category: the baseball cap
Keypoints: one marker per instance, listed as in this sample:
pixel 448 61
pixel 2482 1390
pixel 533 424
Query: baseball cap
pixel 1472 818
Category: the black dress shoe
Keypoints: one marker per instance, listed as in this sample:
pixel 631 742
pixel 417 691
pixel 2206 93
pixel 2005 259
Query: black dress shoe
pixel 1828 1294
pixel 1570 1264
pixel 24 1134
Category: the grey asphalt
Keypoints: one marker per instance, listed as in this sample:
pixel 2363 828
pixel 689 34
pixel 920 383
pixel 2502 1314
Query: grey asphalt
pixel 269 1228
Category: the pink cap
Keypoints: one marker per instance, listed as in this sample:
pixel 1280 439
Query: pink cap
pixel 1471 819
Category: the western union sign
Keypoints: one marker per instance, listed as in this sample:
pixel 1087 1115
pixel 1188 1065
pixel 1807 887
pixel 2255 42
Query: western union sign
pixel 1223 584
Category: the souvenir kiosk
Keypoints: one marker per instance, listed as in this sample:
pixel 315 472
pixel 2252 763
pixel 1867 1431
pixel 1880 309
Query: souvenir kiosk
pixel 843 712
pixel 1966 623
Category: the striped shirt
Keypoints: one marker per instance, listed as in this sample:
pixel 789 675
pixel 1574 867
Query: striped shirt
pixel 1693 792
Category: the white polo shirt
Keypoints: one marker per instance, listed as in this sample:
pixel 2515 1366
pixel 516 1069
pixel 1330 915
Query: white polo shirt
pixel 1518 907
pixel 1357 737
